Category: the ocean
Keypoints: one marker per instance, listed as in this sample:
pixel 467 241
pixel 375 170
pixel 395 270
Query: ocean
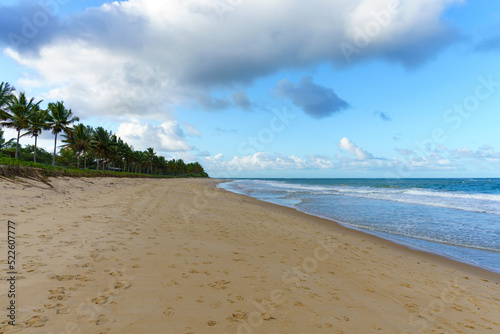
pixel 456 218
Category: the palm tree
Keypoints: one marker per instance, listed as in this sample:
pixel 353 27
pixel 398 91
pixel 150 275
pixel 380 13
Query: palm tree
pixel 5 97
pixel 172 167
pixel 161 164
pixel 102 144
pixel 59 120
pixel 141 161
pixel 181 166
pixel 18 114
pixel 128 154
pixel 79 140
pixel 37 121
pixel 150 155
pixel 137 158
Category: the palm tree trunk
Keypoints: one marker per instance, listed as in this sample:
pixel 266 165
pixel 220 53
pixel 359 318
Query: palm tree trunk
pixel 17 145
pixel 55 146
pixel 34 156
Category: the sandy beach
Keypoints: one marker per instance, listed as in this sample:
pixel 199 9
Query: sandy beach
pixel 180 256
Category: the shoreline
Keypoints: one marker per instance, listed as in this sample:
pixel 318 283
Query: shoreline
pixel 389 237
pixel 324 221
pixel 183 256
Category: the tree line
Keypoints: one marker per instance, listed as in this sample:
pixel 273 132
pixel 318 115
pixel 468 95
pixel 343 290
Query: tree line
pixel 95 148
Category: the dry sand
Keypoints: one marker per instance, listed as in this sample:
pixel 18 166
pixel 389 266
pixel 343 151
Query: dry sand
pixel 179 256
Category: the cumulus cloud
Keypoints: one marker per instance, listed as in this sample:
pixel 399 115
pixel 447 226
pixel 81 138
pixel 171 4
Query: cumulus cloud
pixel 166 137
pixel 410 164
pixel 267 161
pixel 485 152
pixel 142 57
pixel 404 151
pixel 315 100
pixel 192 131
pixel 347 145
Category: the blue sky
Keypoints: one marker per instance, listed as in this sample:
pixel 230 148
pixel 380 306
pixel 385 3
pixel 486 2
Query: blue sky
pixel 341 88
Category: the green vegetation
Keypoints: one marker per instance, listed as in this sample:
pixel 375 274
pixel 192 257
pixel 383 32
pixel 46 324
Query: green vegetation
pixel 102 152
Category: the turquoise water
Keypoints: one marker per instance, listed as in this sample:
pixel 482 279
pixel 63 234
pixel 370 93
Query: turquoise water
pixel 457 218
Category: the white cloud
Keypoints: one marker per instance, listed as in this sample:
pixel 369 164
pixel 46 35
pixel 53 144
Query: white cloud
pixel 266 161
pixel 347 145
pixel 358 160
pixel 192 131
pixel 166 137
pixel 142 57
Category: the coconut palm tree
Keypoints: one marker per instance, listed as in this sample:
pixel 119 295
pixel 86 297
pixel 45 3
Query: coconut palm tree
pixel 128 154
pixel 181 166
pixel 5 97
pixel 102 144
pixel 141 161
pixel 79 140
pixel 59 120
pixel 172 167
pixel 161 164
pixel 37 121
pixel 18 113
pixel 150 155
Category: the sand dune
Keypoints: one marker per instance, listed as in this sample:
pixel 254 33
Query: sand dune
pixel 179 256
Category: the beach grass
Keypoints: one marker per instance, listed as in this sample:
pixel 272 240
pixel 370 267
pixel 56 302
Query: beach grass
pixel 11 167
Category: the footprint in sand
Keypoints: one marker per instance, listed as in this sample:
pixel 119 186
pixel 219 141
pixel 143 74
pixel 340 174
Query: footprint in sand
pixel 100 300
pixel 168 283
pixel 114 273
pixel 101 319
pixel 219 284
pixel 61 309
pixel 216 304
pixel 169 311
pixel 122 285
pixel 237 316
pixel 32 266
pixel 58 294
pixel 36 321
